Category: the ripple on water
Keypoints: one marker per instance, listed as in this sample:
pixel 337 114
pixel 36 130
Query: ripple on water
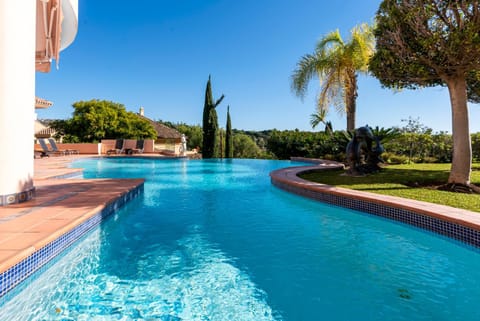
pixel 194 281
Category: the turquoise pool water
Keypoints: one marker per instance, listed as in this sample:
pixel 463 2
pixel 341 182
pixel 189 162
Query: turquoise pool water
pixel 214 240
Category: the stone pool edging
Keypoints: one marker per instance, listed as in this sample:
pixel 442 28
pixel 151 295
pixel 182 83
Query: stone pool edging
pixel 36 257
pixel 455 223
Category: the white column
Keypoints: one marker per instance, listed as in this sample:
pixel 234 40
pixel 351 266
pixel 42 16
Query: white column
pixel 17 99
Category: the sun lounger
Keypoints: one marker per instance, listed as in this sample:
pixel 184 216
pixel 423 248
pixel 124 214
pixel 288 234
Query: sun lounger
pixel 139 147
pixel 40 153
pixel 46 151
pixel 119 147
pixel 65 151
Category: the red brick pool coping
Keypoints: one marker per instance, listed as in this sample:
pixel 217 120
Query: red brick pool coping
pixel 289 176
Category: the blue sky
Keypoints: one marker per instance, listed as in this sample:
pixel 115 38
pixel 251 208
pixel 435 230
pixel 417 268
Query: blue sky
pixel 158 54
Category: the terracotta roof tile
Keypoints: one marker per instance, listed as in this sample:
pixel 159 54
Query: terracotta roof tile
pixel 162 130
pixel 42 103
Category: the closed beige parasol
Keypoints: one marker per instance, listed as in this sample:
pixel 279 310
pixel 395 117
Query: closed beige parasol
pixel 57 24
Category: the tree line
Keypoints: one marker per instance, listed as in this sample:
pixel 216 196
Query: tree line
pixel 412 142
pixel 95 120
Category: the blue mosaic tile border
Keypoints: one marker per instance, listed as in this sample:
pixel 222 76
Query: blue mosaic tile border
pixel 17 197
pixel 136 156
pixel 21 271
pixel 455 231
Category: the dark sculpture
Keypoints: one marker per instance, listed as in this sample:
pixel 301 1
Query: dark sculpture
pixel 362 157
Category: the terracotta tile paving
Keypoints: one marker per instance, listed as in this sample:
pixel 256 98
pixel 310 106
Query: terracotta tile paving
pixel 59 206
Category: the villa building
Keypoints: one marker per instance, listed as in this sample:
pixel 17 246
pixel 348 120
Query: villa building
pixel 42 130
pixel 168 141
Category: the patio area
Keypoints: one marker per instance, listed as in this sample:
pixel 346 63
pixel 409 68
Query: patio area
pixel 60 205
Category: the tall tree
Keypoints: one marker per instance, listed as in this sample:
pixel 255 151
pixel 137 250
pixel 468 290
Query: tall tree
pixel 336 63
pixel 428 43
pixel 210 123
pixel 228 136
pixel 94 120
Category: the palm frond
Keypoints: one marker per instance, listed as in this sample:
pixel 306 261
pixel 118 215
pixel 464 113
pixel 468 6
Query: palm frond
pixel 385 134
pixel 332 39
pixel 362 46
pixel 305 71
pixel 318 117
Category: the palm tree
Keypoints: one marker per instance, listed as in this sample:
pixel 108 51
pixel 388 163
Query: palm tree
pixel 320 117
pixel 336 64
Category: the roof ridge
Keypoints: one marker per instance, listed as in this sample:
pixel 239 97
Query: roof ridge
pixel 163 131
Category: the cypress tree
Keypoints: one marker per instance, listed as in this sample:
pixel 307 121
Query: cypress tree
pixel 210 124
pixel 228 136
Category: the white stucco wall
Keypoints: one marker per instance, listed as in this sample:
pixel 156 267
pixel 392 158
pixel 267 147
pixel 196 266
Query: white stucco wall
pixel 17 95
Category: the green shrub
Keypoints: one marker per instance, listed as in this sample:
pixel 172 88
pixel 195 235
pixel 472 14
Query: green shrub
pixel 430 160
pixel 391 158
pixel 329 157
pixel 476 146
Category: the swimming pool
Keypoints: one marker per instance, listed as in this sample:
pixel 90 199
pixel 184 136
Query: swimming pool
pixel 214 240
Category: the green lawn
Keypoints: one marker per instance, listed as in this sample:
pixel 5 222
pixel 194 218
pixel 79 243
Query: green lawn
pixel 415 181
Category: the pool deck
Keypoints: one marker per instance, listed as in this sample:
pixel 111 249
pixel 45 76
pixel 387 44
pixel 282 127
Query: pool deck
pixel 59 206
